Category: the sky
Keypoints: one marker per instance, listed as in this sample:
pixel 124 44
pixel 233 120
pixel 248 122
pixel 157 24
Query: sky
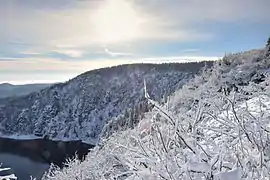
pixel 56 40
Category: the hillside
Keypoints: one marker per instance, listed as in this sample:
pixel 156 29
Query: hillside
pixel 79 108
pixel 10 90
pixel 216 127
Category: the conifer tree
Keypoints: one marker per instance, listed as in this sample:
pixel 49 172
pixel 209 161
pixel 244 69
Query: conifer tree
pixel 268 42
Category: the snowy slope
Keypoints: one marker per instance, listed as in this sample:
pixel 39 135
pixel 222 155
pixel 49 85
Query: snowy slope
pixel 215 127
pixel 79 108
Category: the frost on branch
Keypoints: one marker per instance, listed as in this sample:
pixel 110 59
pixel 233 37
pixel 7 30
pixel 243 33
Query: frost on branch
pixel 7 177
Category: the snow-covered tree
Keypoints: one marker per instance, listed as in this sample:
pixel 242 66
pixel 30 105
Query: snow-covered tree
pixel 268 42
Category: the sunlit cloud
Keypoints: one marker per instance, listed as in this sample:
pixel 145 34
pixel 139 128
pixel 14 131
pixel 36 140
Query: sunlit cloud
pixel 117 21
pixel 121 21
pixel 75 36
pixel 114 22
pixel 94 23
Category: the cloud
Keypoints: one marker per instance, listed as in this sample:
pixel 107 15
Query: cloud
pixel 51 24
pixel 191 50
pixel 30 53
pixel 194 11
pixel 73 28
pixel 70 52
pixel 8 59
pixel 117 53
pixel 51 64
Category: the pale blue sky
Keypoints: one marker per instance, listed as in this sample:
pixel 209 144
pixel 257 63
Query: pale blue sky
pixel 54 40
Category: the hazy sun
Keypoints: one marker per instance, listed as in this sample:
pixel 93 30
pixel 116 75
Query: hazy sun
pixel 116 21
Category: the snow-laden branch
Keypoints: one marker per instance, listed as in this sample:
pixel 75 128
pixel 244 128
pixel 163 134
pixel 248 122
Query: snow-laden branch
pixel 7 177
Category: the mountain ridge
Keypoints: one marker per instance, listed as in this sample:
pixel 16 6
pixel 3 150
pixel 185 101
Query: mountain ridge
pixel 80 107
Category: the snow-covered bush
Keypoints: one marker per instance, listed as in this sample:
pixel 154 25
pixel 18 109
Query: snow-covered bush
pixel 216 127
